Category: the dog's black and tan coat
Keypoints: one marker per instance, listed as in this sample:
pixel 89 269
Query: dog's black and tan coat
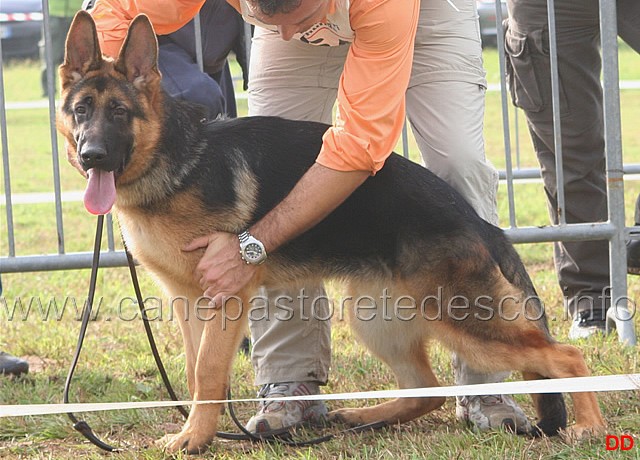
pixel 404 232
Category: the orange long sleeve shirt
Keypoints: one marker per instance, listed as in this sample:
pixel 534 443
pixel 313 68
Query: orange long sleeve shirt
pixel 371 92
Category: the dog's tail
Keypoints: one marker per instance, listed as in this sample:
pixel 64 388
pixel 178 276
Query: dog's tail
pixel 512 267
pixel 515 272
pixel 550 407
pixel 552 414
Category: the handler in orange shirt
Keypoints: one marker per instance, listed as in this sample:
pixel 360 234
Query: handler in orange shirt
pixel 371 56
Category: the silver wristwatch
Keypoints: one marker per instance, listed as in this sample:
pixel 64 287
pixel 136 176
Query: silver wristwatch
pixel 251 249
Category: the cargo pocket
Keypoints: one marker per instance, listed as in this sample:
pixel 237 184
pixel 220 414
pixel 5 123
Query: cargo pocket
pixel 521 76
pixel 528 70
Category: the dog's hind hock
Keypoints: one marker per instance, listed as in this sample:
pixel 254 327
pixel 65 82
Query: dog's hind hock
pixel 565 361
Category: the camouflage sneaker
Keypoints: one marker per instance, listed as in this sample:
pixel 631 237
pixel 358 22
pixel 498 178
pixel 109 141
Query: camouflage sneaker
pixel 277 417
pixel 491 412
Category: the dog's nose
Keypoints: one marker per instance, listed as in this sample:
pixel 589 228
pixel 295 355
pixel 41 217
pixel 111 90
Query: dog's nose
pixel 93 155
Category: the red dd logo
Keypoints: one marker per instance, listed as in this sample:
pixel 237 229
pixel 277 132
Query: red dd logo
pixel 622 442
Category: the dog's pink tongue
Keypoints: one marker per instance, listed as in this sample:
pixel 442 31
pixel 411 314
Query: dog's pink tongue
pixel 101 192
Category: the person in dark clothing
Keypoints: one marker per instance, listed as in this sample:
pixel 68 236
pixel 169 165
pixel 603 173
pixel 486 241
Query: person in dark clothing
pixel 222 33
pixel 10 364
pixel 582 266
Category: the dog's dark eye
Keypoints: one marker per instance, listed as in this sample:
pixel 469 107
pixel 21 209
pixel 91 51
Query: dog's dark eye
pixel 81 108
pixel 119 112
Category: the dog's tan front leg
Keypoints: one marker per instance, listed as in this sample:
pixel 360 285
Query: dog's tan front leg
pixel 223 330
pixel 192 328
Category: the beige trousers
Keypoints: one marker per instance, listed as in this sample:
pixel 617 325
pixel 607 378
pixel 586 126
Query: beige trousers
pixel 445 106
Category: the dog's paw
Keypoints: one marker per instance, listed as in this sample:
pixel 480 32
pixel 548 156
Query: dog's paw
pixel 578 433
pixel 187 440
pixel 350 417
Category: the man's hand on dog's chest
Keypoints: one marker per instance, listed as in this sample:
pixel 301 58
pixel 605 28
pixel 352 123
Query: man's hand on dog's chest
pixel 221 272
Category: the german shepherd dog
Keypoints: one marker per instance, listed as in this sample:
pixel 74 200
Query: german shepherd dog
pixel 172 177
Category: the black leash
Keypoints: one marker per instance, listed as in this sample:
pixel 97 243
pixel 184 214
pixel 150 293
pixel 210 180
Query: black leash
pixel 147 329
pixel 81 425
pixel 84 428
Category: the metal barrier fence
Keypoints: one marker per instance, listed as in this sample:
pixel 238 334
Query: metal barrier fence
pixel 613 229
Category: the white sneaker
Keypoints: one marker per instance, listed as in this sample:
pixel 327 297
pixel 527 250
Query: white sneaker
pixel 584 326
pixel 277 417
pixel 491 412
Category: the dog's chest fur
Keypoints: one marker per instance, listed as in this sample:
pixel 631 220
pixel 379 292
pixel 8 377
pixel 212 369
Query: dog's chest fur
pixel 157 244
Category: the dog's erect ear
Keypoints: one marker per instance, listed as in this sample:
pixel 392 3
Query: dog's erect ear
pixel 138 58
pixel 82 50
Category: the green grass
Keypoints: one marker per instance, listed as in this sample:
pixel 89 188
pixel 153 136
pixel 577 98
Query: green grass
pixel 116 364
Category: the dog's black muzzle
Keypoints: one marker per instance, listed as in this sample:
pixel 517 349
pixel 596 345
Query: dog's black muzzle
pixel 94 152
pixel 93 155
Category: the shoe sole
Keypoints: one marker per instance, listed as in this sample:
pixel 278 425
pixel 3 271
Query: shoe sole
pixel 284 430
pixel 278 432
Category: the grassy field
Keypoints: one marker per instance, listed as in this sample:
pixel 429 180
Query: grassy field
pixel 116 364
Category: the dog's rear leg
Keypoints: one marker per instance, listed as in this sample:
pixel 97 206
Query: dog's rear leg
pixel 564 361
pixel 412 369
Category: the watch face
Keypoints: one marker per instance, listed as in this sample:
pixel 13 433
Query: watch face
pixel 253 251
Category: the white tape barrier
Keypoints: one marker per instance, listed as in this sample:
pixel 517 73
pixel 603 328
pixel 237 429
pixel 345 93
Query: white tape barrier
pixel 569 385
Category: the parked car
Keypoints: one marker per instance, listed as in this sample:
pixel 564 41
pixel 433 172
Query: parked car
pixel 487 14
pixel 20 28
